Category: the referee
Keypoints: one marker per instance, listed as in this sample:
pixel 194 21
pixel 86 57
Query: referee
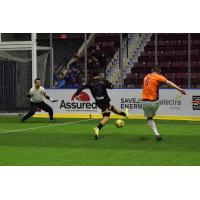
pixel 36 95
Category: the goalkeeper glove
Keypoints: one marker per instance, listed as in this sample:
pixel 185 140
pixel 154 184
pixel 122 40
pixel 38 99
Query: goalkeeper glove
pixel 52 100
pixel 29 95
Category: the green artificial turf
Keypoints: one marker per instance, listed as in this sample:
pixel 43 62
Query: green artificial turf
pixel 73 144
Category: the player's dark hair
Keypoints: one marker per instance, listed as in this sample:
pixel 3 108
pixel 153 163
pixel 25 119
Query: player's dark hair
pixel 37 79
pixel 95 73
pixel 156 69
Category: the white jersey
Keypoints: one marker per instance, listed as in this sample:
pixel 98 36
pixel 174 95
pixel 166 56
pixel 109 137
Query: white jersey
pixel 38 94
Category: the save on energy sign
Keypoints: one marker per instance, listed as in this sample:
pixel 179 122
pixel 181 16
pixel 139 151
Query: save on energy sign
pixel 171 103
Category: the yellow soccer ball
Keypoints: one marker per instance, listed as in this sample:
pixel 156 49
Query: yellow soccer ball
pixel 119 123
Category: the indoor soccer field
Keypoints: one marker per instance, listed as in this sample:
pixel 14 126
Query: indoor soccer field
pixel 69 142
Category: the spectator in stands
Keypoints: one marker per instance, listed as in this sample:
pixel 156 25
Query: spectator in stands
pixel 75 65
pixel 77 75
pixel 74 83
pixel 92 55
pixel 99 55
pixel 127 82
pixel 68 76
pixel 60 82
pixel 91 65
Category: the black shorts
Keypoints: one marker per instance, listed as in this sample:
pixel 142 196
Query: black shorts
pixel 41 105
pixel 105 107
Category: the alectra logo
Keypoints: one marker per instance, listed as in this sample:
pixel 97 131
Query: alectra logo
pixel 83 96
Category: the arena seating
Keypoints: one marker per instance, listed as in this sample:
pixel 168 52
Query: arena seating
pixel 132 46
pixel 108 43
pixel 172 57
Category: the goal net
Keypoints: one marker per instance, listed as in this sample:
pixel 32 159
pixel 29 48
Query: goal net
pixel 16 77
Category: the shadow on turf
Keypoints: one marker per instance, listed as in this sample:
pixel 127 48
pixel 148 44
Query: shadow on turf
pixel 113 140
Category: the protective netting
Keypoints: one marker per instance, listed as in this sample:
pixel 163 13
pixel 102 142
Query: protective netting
pixel 16 78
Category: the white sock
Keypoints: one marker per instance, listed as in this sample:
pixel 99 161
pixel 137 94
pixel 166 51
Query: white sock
pixel 152 124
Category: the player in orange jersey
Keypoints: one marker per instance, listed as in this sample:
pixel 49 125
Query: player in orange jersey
pixel 150 96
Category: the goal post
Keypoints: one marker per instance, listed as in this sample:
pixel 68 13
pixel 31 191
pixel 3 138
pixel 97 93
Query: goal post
pixel 34 56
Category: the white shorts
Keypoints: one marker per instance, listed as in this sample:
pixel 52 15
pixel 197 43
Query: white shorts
pixel 150 108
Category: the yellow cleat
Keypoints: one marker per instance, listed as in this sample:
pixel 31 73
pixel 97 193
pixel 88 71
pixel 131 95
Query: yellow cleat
pixel 126 111
pixel 96 133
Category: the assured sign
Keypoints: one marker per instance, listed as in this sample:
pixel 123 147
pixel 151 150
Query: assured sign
pixel 81 103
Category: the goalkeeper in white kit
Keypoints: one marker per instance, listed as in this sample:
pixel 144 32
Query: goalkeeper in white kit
pixel 36 95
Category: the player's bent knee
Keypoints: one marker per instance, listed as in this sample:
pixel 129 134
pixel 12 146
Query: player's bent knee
pixel 106 114
pixel 149 118
pixel 112 108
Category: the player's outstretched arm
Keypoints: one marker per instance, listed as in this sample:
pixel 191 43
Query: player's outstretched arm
pixel 171 84
pixel 49 98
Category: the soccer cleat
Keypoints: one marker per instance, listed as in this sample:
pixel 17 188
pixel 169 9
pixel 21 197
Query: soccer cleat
pixel 127 113
pixel 96 133
pixel 52 120
pixel 158 137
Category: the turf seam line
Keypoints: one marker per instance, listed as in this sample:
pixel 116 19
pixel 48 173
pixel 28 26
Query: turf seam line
pixel 33 128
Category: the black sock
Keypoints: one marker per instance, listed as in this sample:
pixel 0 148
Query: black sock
pixel 27 116
pixel 51 115
pixel 100 126
pixel 123 114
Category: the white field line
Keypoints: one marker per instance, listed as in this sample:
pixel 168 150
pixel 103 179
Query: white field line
pixel 39 127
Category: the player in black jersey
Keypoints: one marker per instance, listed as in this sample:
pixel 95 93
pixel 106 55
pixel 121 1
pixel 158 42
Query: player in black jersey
pixel 98 88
